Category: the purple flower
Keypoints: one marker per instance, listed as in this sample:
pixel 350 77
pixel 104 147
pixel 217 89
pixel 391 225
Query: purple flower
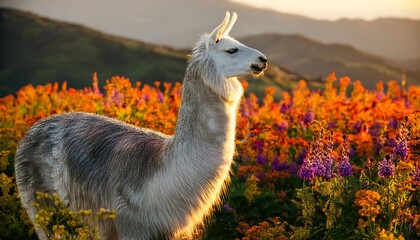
pixel 301 157
pixel 401 148
pixel 357 127
pixel 377 145
pixel 292 169
pixel 331 125
pixel 386 167
pixel 352 153
pixel 309 117
pixel 259 175
pixel 306 171
pixel 259 145
pixel 285 107
pixel 392 142
pixel 415 175
pixel 248 109
pixel 392 124
pixel 117 97
pixel 407 104
pixel 281 127
pixel 328 162
pixel 228 208
pixel 97 91
pixel 318 168
pixel 375 130
pixel 261 159
pixel 242 111
pixel 344 167
pixel 276 165
pixel 161 98
pixel 380 95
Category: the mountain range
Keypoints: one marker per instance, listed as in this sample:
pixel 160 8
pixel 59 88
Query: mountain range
pixel 178 23
pixel 38 50
pixel 314 59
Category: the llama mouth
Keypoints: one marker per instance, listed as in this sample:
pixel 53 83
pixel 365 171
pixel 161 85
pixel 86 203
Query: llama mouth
pixel 257 69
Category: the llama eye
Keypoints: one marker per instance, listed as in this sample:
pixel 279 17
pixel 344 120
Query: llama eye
pixel 232 50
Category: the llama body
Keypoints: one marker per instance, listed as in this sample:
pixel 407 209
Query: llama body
pixel 161 186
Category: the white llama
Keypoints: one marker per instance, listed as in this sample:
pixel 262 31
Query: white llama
pixel 161 186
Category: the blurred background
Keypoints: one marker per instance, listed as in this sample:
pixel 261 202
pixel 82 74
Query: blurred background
pixel 61 40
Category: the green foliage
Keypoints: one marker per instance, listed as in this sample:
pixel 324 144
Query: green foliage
pixel 14 222
pixel 57 49
pixel 327 209
pixel 58 222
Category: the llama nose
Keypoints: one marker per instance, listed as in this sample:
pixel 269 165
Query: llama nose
pixel 263 59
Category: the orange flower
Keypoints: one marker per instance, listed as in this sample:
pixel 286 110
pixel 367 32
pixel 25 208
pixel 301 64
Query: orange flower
pixel 368 200
pixel 344 83
pixel 416 222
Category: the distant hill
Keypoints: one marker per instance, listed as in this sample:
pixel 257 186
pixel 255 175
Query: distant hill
pixel 37 50
pixel 179 24
pixel 411 64
pixel 314 59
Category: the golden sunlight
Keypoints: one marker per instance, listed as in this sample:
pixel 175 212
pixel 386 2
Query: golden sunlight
pixel 334 10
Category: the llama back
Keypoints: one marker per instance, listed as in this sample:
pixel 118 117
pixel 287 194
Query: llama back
pixel 83 157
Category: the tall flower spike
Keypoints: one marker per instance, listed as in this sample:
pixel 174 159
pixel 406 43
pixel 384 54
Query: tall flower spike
pixel 328 160
pixel 328 164
pixel 306 171
pixel 415 175
pixel 401 148
pixel 386 167
pixel 344 166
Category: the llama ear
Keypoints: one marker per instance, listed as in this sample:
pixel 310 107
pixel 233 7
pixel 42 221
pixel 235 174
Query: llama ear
pixel 231 23
pixel 218 32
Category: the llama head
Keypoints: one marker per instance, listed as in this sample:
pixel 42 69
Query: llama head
pixel 222 58
pixel 231 57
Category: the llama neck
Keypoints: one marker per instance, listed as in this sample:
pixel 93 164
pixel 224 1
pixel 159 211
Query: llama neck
pixel 201 151
pixel 206 124
pixel 198 156
pixel 204 142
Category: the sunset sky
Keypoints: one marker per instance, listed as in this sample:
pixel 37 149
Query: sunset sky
pixel 333 10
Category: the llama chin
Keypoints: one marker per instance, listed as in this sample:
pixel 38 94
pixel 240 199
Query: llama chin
pixel 161 186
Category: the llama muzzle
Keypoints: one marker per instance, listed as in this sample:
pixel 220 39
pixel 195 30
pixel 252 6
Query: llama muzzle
pixel 258 68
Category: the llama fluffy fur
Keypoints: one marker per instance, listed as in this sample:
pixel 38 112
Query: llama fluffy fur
pixel 161 186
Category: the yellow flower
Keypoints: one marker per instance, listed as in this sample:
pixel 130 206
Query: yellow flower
pixel 72 223
pixel 112 216
pixel 367 197
pixel 362 223
pixel 368 200
pixel 252 189
pixel 383 235
pixel 58 229
pixel 85 212
pixel 404 167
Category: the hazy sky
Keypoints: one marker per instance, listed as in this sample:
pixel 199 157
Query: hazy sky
pixel 336 9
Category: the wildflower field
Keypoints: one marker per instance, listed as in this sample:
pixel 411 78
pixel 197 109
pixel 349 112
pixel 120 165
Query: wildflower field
pixel 342 163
